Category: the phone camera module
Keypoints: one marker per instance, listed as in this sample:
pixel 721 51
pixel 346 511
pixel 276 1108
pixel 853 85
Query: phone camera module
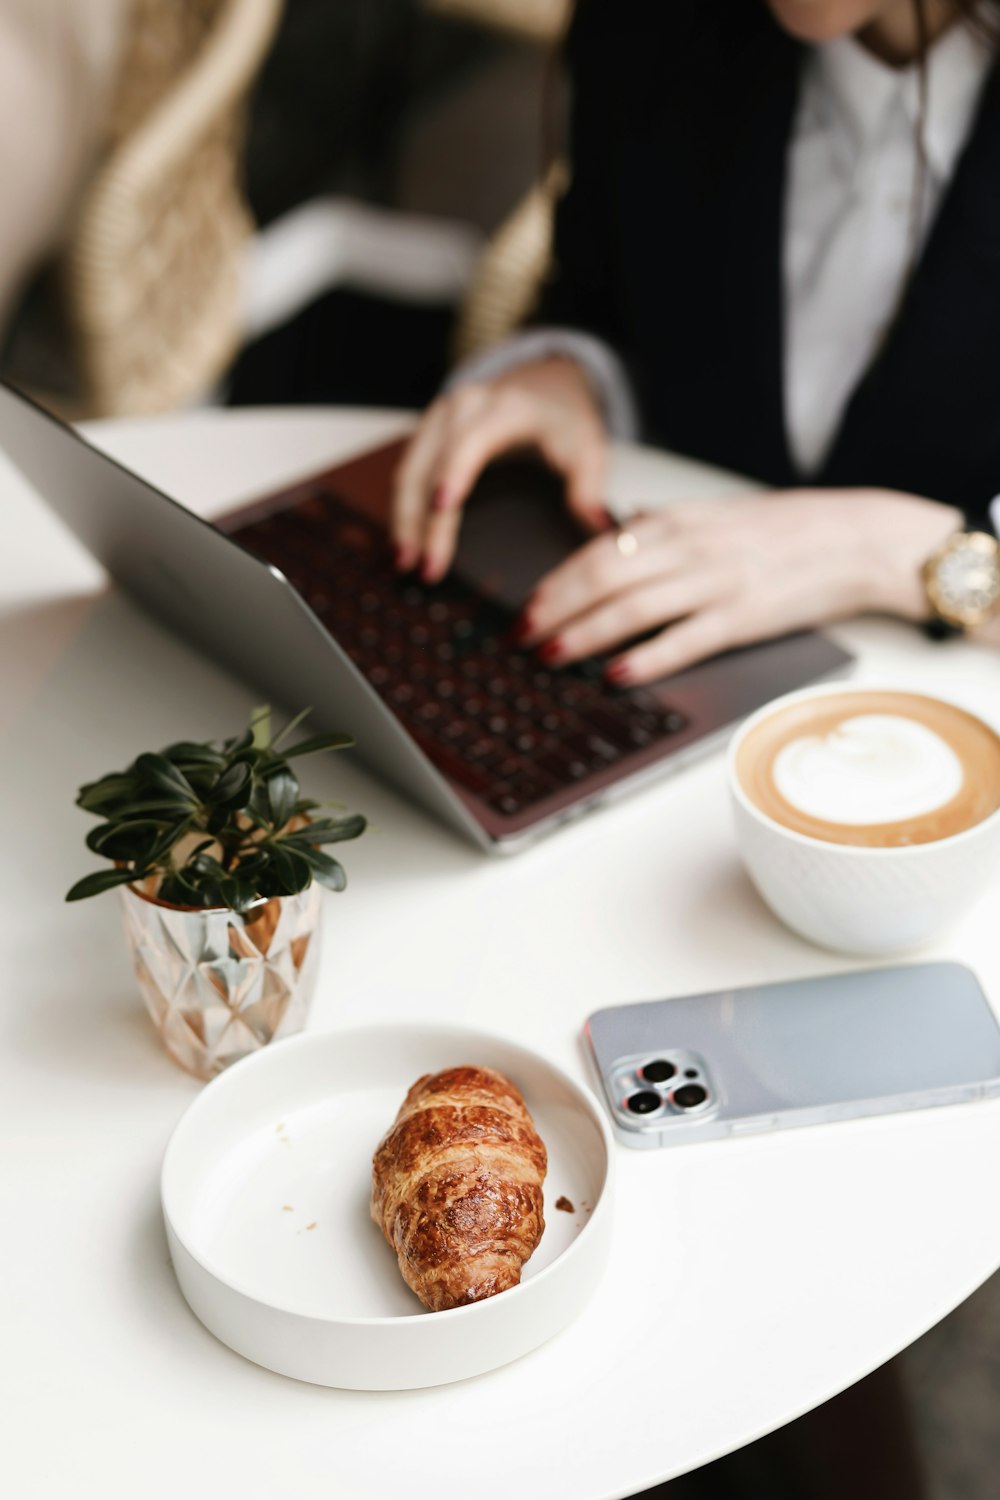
pixel 657 1071
pixel 643 1102
pixel 689 1096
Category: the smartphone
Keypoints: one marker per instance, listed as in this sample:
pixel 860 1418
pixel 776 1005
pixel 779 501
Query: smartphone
pixel 804 1052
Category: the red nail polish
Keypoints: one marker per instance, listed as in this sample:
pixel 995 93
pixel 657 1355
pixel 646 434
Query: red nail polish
pixel 439 499
pixel 522 628
pixel 550 651
pixel 619 672
pixel 604 519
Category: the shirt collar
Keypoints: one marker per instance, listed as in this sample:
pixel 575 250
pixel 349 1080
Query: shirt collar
pixel 861 91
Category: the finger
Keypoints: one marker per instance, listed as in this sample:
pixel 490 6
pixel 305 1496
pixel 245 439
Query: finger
pixel 703 634
pixel 440 541
pixel 582 457
pixel 632 612
pixel 498 421
pixel 411 487
pixel 601 569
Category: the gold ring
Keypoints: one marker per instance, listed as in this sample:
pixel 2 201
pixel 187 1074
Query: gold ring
pixel 627 543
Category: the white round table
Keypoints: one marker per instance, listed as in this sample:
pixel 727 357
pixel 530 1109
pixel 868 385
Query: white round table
pixel 749 1279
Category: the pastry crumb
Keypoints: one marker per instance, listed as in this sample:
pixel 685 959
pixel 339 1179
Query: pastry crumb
pixel 312 1225
pixel 286 1208
pixel 279 1128
pixel 565 1205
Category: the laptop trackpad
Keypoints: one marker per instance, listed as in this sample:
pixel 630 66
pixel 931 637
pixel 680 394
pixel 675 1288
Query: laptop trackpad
pixel 516 528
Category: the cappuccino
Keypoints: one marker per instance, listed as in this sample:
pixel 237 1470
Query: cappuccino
pixel 877 769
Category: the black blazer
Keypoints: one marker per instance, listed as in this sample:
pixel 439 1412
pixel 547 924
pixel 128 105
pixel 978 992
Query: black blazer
pixel 668 244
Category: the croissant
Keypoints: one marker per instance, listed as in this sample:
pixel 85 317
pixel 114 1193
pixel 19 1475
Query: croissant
pixel 457 1186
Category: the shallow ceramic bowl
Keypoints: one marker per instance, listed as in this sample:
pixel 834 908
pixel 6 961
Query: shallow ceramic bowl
pixel 265 1192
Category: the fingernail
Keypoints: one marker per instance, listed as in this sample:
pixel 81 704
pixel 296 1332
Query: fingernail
pixel 431 570
pixel 523 627
pixel 602 518
pixel 403 557
pixel 618 671
pixel 551 651
pixel 439 499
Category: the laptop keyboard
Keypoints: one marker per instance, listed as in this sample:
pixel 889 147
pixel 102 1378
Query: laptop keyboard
pixel 488 714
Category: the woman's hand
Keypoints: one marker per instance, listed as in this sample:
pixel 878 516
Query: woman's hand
pixel 723 573
pixel 547 404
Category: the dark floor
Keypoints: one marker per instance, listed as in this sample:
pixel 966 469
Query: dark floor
pixel 952 1380
pixel 924 1427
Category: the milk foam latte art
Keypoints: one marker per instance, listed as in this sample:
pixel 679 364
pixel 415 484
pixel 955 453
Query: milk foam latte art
pixel 877 769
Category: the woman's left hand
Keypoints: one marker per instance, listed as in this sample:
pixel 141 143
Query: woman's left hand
pixel 726 572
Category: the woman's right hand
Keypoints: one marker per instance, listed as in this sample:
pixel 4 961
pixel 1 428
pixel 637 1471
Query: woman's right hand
pixel 547 404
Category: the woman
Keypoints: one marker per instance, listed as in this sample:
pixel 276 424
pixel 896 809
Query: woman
pixel 783 221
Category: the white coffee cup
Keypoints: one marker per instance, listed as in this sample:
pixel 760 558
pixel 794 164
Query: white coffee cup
pixel 859 899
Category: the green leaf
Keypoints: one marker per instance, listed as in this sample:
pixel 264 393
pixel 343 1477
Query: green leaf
pixel 159 774
pixel 95 796
pixel 189 753
pixel 101 880
pixel 253 862
pixel 98 836
pixel 260 726
pixel 320 742
pixel 292 724
pixel 239 742
pixel 326 870
pixel 173 808
pixel 328 831
pixel 180 891
pixel 291 869
pixel 232 790
pixel 130 845
pixel 282 795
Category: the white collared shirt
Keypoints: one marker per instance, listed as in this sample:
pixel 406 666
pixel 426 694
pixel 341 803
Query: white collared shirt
pixel 846 242
pixel 852 186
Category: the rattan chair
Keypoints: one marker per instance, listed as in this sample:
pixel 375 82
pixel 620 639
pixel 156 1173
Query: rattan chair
pixel 511 269
pixel 537 20
pixel 152 269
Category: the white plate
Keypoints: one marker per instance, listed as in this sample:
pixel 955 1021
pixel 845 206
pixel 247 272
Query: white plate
pixel 265 1193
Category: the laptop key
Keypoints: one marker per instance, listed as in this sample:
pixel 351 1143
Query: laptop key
pixel 562 766
pixel 491 715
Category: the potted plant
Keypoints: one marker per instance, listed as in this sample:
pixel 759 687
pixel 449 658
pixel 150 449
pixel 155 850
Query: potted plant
pixel 220 861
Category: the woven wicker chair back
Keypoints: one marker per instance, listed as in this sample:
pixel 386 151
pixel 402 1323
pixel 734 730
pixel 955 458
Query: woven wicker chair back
pixel 153 269
pixel 511 270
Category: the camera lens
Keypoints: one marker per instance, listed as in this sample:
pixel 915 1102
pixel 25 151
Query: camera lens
pixel 643 1102
pixel 689 1096
pixel 657 1071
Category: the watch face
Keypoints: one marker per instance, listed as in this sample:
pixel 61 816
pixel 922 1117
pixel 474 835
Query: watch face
pixel 964 584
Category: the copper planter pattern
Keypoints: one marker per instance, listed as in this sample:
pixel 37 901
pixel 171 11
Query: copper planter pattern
pixel 219 985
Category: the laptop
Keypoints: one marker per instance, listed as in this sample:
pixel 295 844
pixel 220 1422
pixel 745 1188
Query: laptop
pixel 296 592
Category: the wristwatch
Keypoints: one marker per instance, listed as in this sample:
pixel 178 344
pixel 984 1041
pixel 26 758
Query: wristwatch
pixel 962 579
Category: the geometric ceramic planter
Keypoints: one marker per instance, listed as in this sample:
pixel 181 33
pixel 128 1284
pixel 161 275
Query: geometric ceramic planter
pixel 219 985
